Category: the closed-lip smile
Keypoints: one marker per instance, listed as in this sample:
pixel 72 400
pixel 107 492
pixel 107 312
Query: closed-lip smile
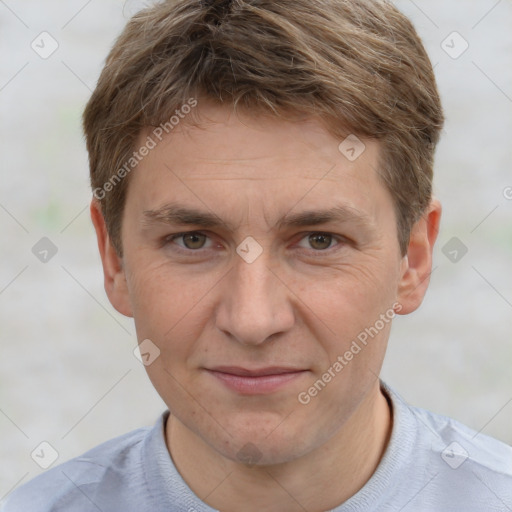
pixel 258 372
pixel 255 381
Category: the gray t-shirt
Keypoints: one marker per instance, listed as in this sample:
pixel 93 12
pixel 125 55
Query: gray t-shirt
pixel 432 463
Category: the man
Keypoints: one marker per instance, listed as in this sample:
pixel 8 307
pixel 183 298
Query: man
pixel 262 181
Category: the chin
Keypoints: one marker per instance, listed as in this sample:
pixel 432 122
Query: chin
pixel 264 443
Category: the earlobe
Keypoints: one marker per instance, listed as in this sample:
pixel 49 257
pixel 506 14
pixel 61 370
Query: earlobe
pixel 113 271
pixel 416 265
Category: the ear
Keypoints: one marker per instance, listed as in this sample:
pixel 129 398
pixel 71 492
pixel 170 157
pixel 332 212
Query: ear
pixel 416 266
pixel 113 272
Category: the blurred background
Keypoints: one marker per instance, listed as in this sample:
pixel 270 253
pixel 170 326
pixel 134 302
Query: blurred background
pixel 68 375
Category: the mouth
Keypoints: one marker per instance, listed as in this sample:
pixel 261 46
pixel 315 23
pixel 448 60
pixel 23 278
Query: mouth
pixel 256 381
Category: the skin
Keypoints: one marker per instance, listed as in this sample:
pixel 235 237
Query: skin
pixel 301 303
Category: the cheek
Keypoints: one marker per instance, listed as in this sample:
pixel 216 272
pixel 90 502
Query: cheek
pixel 168 305
pixel 168 310
pixel 348 299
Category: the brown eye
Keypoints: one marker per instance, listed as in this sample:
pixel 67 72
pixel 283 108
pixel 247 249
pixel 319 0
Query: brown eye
pixel 320 241
pixel 194 240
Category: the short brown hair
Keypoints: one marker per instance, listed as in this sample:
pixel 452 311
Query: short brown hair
pixel 359 65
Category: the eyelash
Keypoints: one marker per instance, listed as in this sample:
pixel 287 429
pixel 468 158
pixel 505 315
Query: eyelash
pixel 342 241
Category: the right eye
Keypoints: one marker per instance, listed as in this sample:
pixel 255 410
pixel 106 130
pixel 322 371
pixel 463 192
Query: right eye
pixel 191 241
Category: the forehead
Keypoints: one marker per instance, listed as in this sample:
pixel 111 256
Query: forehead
pixel 256 161
pixel 221 136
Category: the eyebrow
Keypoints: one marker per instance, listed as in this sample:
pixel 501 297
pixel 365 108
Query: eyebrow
pixel 178 214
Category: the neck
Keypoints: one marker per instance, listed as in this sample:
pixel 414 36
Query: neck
pixel 320 480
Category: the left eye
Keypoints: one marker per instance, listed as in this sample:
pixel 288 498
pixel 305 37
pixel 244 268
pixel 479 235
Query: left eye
pixel 319 241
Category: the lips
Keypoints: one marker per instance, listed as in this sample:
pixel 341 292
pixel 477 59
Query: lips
pixel 243 372
pixel 256 381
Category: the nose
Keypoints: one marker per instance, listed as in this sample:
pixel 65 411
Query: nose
pixel 255 303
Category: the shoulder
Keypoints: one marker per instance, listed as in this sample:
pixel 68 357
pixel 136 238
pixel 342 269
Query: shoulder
pixel 434 462
pixel 72 485
pixel 460 466
pixel 456 444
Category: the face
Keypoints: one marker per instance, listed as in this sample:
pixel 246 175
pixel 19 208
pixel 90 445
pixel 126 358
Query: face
pixel 255 256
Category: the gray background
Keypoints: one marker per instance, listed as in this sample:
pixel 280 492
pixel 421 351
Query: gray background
pixel 68 375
